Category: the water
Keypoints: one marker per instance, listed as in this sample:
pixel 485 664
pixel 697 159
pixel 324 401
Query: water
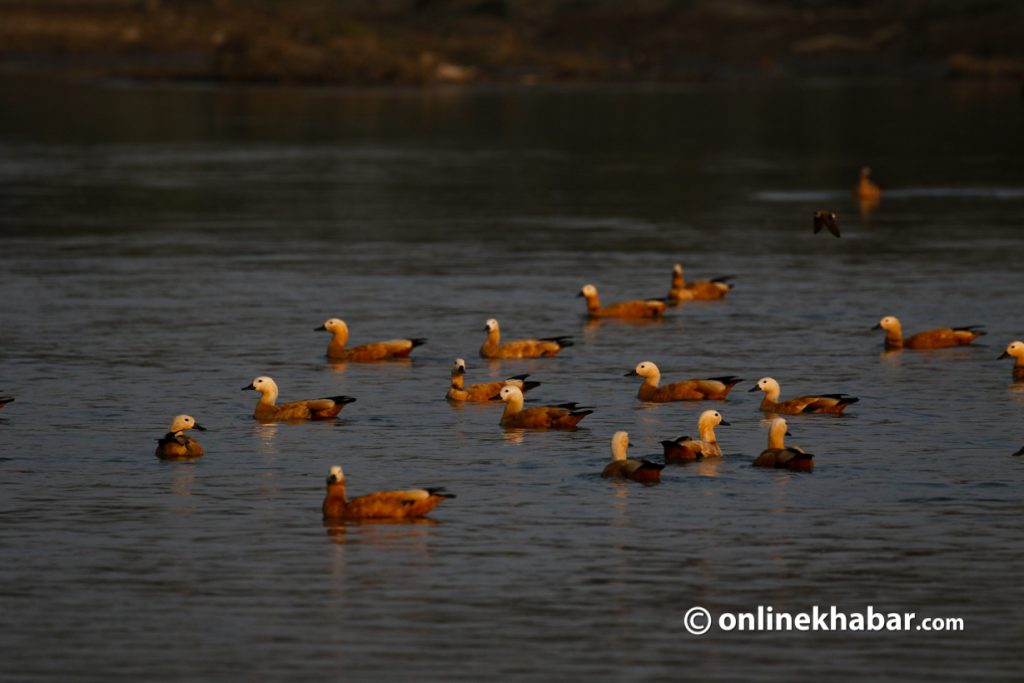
pixel 162 246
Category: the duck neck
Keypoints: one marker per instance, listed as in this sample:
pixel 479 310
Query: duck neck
pixel 457 380
pixel 777 436
pixel 652 379
pixel 678 281
pixel 593 302
pixel 512 406
pixel 618 450
pixel 337 492
pixel 894 336
pixel 707 432
pixel 268 396
pixel 771 394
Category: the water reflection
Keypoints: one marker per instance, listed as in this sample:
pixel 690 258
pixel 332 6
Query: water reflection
pixel 403 534
pixel 182 478
pixel 266 432
pixel 866 207
pixel 513 435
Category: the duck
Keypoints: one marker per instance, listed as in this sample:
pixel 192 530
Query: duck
pixel 561 416
pixel 833 404
pixel 484 391
pixel 4 400
pixel 382 350
pixel 380 505
pixel 520 348
pixel 701 290
pixel 866 190
pixel 175 445
pixel 620 467
pixel 684 448
pixel 778 455
pixel 640 308
pixel 713 388
pixel 310 409
pixel 1014 350
pixel 826 219
pixel 940 338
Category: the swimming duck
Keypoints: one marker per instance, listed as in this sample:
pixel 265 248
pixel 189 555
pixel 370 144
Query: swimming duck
pixel 778 455
pixel 640 308
pixel 620 467
pixel 867 190
pixel 521 348
pixel 713 388
pixel 1014 350
pixel 826 403
pixel 310 409
pixel 382 350
pixel 484 391
pixel 4 400
pixel 684 448
pixel 379 505
pixel 701 290
pixel 561 416
pixel 940 338
pixel 175 445
pixel 826 219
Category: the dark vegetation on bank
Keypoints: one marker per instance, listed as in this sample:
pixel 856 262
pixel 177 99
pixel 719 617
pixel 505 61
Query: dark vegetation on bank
pixel 512 41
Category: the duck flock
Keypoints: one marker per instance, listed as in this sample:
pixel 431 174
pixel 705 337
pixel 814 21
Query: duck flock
pixel 177 445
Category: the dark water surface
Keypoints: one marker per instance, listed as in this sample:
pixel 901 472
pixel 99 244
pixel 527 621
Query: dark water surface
pixel 161 247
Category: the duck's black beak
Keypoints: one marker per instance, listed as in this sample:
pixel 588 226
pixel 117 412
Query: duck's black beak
pixel 753 388
pixel 486 328
pixel 787 433
pixel 199 427
pixel 727 424
pixel 246 388
pixel 877 327
pixel 331 479
pixel 1003 355
pixel 496 397
pixel 632 373
pixel 320 329
pixel 579 294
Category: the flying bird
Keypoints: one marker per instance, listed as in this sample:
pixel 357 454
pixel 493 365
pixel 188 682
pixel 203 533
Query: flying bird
pixel 826 219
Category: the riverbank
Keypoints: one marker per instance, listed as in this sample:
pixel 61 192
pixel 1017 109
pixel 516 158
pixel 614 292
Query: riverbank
pixel 452 41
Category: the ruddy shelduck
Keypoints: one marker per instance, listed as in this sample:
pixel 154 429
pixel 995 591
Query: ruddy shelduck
pixel 640 308
pixel 701 290
pixel 685 449
pixel 175 444
pixel 940 338
pixel 1014 350
pixel 826 219
pixel 866 189
pixel 561 416
pixel 833 404
pixel 311 409
pixel 382 350
pixel 778 455
pixel 4 400
pixel 483 391
pixel 520 348
pixel 621 467
pixel 380 505
pixel 713 388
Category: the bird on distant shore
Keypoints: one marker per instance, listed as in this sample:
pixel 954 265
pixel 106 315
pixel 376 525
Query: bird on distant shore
pixel 621 467
pixel 826 219
pixel 867 190
pixel 310 409
pixel 382 350
pixel 519 348
pixel 940 338
pixel 405 504
pixel 175 444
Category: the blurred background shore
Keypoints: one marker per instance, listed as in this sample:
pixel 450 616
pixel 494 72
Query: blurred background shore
pixel 416 42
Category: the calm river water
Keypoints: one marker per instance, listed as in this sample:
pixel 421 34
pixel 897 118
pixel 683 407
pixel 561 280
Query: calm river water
pixel 160 247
